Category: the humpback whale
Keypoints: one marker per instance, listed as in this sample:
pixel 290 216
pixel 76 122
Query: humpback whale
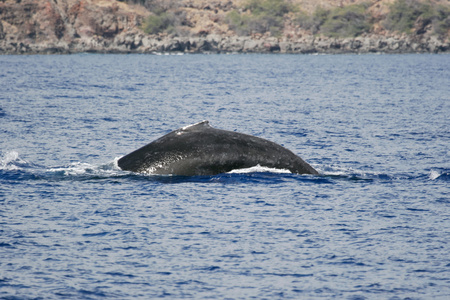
pixel 200 149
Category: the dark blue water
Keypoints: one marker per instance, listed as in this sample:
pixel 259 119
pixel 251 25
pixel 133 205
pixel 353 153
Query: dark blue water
pixel 374 225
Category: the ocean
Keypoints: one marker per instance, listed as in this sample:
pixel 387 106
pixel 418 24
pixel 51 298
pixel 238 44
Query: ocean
pixel 375 224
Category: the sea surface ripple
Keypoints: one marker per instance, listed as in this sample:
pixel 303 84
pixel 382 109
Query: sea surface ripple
pixel 375 224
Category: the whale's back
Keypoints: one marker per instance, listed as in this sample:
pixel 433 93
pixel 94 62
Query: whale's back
pixel 200 149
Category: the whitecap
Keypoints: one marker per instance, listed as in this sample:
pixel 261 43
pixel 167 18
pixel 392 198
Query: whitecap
pixel 434 175
pixel 442 174
pixel 11 161
pixel 77 168
pixel 80 168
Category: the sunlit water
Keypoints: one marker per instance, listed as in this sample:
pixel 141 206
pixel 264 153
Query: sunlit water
pixel 374 225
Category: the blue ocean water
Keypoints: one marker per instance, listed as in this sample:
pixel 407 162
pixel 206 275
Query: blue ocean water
pixel 374 225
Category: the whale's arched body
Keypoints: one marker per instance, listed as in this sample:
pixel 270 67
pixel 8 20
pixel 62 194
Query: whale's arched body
pixel 200 149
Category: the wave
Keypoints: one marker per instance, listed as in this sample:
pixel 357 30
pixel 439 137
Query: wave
pixel 11 161
pixel 79 168
pixel 355 174
pixel 439 174
pixel 13 167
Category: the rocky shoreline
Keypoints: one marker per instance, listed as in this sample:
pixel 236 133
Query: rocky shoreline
pixel 107 26
pixel 130 42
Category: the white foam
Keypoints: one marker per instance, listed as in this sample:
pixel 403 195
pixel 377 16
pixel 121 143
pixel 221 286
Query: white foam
pixel 260 169
pixel 11 161
pixel 74 169
pixel 333 170
pixel 168 53
pixel 434 175
pixel 79 168
pixel 115 163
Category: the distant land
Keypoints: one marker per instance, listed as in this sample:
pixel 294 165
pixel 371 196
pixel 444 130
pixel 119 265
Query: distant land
pixel 224 26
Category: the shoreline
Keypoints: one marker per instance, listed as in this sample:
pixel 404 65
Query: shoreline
pixel 136 42
pixel 112 26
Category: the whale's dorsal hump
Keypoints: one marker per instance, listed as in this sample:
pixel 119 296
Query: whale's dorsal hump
pixel 197 126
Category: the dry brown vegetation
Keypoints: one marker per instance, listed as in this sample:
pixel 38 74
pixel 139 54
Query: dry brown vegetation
pixel 295 17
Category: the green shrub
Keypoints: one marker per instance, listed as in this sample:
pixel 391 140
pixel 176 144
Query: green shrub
pixel 315 21
pixel 347 21
pixel 441 21
pixel 238 22
pixel 157 23
pixel 274 8
pixel 264 16
pixel 404 13
pixel 166 16
pixel 413 16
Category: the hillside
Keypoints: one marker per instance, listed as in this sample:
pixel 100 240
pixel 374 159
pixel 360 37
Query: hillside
pixel 296 26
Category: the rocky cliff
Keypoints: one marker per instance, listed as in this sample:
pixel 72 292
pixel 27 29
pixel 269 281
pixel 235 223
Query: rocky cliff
pixel 111 26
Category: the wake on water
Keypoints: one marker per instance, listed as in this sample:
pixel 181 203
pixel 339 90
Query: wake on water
pixel 13 166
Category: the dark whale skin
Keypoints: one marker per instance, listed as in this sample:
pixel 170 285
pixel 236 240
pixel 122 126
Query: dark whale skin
pixel 200 149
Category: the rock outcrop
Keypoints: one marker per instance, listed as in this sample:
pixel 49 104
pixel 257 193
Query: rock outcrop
pixel 65 26
pixel 110 26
